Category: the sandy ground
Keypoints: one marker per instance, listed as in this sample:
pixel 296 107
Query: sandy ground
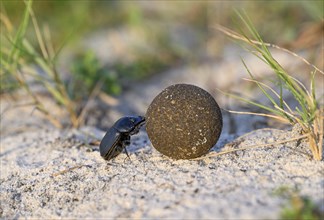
pixel 50 173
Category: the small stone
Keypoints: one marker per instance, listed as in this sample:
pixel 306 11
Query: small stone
pixel 183 122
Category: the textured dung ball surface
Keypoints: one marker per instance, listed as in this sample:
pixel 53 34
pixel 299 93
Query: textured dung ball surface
pixel 183 121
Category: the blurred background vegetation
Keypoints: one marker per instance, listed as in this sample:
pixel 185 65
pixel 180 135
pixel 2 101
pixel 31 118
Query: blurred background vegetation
pixel 120 42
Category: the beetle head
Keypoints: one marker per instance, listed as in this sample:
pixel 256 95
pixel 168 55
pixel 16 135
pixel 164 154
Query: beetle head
pixel 129 124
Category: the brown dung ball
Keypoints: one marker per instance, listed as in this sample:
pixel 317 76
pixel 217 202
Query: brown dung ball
pixel 183 121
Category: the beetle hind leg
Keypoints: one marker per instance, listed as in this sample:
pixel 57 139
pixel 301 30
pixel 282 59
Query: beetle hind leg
pixel 125 142
pixel 127 153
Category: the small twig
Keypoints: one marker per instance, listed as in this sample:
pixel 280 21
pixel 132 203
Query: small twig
pixel 214 154
pixel 70 169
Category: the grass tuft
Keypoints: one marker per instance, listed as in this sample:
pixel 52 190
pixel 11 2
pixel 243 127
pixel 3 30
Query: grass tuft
pixel 308 114
pixel 18 53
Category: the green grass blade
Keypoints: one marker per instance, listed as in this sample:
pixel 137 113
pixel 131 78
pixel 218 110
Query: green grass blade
pixel 248 101
pixel 280 94
pixel 293 87
pixel 55 93
pixel 312 87
pixel 20 33
pixel 259 85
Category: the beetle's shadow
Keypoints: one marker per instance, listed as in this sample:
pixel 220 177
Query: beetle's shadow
pixel 139 142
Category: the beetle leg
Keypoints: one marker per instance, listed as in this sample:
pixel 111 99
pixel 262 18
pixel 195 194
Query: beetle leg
pixel 127 153
pixel 125 140
pixel 137 128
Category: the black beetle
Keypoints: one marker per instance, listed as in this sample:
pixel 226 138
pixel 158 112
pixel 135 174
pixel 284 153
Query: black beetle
pixel 118 136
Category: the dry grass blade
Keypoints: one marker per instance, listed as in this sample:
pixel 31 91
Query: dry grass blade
pixel 95 92
pixel 273 144
pixel 237 36
pixel 70 169
pixel 21 53
pixel 246 100
pixel 279 118
pixel 272 90
pixel 316 135
pixel 5 20
pixel 307 110
pixel 8 108
pixel 38 34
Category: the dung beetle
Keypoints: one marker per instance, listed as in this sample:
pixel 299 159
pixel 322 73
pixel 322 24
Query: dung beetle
pixel 118 136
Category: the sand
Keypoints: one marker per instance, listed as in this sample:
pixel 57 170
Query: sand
pixel 51 173
pixel 48 174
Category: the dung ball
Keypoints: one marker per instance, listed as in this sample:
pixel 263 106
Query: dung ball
pixel 183 122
